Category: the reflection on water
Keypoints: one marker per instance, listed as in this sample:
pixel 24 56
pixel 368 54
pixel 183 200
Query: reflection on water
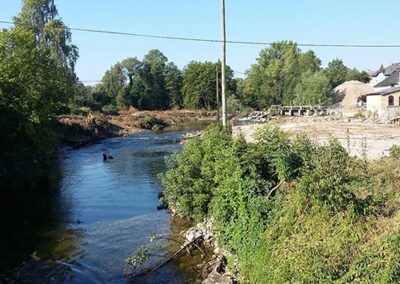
pixel 83 227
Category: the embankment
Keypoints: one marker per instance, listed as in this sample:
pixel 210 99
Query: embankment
pixel 290 210
pixel 77 131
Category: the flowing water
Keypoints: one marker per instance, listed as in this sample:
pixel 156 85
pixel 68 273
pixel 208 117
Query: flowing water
pixel 82 229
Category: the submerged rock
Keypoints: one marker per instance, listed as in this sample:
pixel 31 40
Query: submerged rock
pixel 215 272
pixel 157 127
pixel 162 206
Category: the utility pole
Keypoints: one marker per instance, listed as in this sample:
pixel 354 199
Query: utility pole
pixel 223 65
pixel 217 88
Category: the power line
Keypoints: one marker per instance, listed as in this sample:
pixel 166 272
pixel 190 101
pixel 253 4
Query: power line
pixel 228 41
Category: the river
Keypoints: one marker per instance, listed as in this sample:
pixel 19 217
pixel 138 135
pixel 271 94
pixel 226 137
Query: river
pixel 94 216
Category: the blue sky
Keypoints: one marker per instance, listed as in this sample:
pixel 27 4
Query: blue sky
pixel 305 21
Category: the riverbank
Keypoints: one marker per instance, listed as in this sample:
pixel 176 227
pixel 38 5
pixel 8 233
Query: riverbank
pixel 78 131
pixel 288 209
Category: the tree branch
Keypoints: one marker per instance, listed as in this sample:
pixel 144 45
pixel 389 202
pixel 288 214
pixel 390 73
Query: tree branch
pixel 275 188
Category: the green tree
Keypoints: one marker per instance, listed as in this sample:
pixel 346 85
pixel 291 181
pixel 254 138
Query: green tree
pixel 309 61
pixel 113 83
pixel 174 82
pixel 153 94
pixel 364 77
pixel 313 89
pixel 199 84
pixel 273 79
pixel 41 18
pixel 33 88
pixel 131 67
pixel 150 84
pixel 353 75
pixel 336 72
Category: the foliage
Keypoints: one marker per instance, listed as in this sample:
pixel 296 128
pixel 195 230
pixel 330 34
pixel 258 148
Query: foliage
pixel 273 79
pixel 354 74
pixel 113 82
pixel 41 18
pixel 150 84
pixel 36 82
pixel 395 151
pixel 199 84
pixel 173 84
pixel 232 106
pixel 313 89
pixel 190 178
pixel 290 210
pixel 336 72
pixel 110 109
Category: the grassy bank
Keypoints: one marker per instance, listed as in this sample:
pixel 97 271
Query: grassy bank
pixel 290 210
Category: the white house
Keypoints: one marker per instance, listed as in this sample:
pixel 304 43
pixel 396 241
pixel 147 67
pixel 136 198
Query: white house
pixel 386 78
pixel 384 103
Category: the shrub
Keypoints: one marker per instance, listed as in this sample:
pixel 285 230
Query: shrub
pixel 190 177
pixel 290 210
pixel 394 151
pixel 110 109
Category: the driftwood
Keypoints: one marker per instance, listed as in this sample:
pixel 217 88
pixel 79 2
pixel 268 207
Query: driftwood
pixel 186 247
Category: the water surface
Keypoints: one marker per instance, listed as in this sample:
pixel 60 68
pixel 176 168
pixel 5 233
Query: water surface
pixel 86 225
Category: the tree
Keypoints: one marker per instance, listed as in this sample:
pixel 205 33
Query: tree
pixel 313 89
pixel 41 18
pixel 131 67
pixel 309 61
pixel 33 87
pixel 354 74
pixel 173 82
pixel 272 80
pixel 150 84
pixel 199 84
pixel 114 82
pixel 336 72
pixel 152 75
pixel 364 77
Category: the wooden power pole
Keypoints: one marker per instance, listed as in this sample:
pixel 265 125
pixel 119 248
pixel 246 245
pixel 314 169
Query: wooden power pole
pixel 217 89
pixel 223 65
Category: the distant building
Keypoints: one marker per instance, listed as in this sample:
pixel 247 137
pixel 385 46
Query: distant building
pixel 385 103
pixel 386 78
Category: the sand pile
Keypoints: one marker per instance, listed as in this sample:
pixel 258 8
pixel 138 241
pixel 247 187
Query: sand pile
pixel 346 95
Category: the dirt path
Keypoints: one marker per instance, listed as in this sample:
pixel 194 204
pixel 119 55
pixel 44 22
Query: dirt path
pixel 353 134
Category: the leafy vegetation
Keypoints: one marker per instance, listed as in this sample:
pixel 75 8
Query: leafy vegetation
pixel 36 81
pixel 290 210
pixel 282 75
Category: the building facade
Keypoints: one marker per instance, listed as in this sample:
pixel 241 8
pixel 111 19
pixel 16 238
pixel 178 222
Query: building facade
pixel 384 103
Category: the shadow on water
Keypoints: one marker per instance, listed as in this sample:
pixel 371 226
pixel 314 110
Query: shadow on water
pixel 82 226
pixel 34 227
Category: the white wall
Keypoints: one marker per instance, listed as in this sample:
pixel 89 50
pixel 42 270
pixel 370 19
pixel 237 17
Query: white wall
pixel 377 79
pixel 374 104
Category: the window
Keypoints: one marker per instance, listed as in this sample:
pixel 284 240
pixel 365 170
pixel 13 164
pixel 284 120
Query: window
pixel 391 101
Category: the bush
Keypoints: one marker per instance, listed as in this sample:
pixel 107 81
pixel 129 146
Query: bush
pixel 394 151
pixel 245 111
pixel 82 111
pixel 290 210
pixel 232 106
pixel 110 110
